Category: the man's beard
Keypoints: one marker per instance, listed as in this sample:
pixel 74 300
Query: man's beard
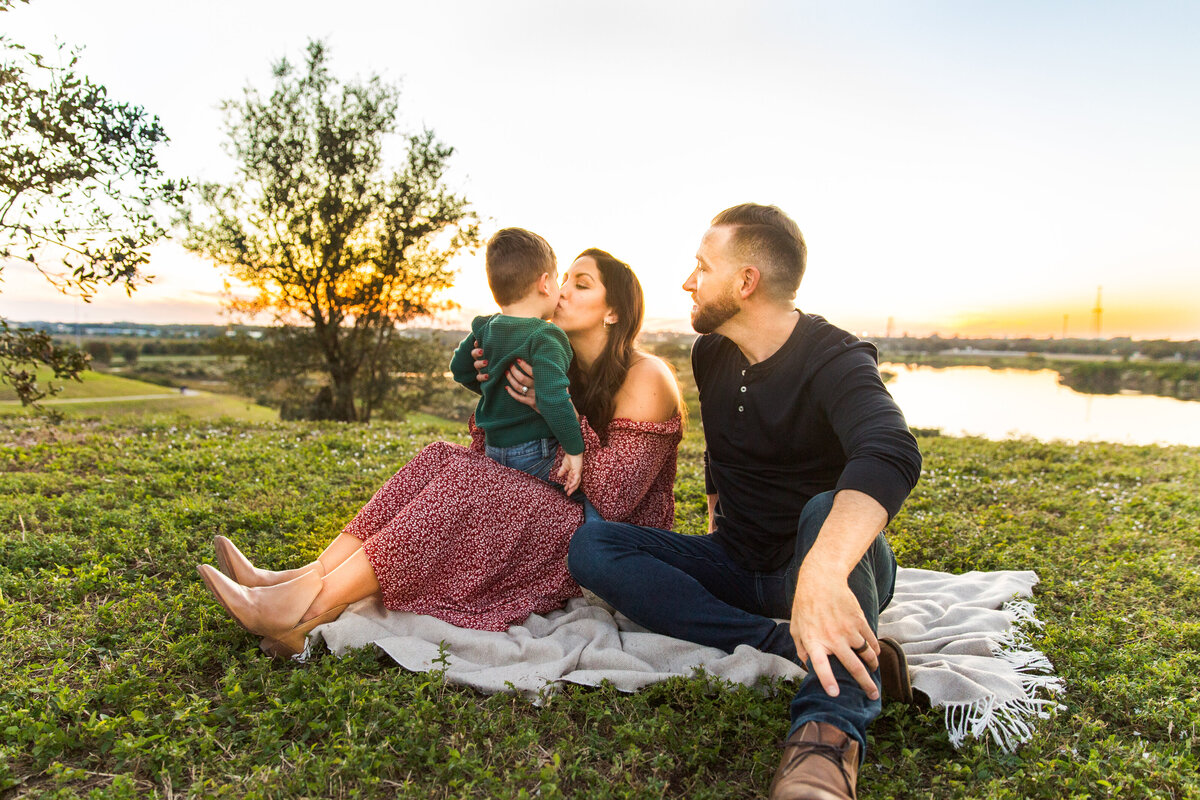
pixel 708 318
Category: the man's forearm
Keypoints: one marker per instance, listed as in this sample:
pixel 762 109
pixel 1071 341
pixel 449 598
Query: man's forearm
pixel 852 525
pixel 827 621
pixel 712 513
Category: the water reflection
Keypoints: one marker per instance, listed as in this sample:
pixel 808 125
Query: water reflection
pixel 1007 403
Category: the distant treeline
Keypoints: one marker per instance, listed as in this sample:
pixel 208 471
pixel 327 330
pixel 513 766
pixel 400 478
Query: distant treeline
pixel 125 342
pixel 105 351
pixel 138 330
pixel 1176 375
pixel 1180 380
pixel 199 339
pixel 1119 348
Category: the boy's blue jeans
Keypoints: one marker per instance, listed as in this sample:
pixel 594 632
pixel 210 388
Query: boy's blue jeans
pixel 534 457
pixel 688 587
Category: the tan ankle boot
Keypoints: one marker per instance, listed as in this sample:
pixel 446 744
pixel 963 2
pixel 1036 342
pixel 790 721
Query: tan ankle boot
pixel 272 611
pixel 234 564
pixel 820 762
pixel 292 642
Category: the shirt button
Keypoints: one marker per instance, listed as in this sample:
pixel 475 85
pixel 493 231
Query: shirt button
pixel 739 408
pixel 743 372
pixel 743 388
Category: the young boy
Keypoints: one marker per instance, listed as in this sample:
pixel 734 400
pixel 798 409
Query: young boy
pixel 523 276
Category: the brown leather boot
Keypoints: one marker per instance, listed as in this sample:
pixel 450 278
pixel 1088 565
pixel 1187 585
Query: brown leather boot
pixel 820 762
pixel 893 671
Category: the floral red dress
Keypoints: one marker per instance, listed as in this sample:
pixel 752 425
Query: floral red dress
pixel 455 535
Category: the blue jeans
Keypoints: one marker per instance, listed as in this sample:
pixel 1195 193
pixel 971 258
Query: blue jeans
pixel 535 457
pixel 689 588
pixel 590 514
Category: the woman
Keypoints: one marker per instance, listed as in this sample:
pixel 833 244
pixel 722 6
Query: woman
pixel 454 534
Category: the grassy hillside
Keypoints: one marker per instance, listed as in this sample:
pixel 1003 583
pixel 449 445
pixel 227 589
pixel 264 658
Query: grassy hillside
pixel 93 384
pixel 133 399
pixel 123 678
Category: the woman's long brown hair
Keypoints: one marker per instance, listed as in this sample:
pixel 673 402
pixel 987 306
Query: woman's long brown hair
pixel 595 390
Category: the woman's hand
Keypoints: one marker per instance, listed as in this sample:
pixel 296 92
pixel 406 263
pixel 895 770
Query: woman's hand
pixel 520 378
pixel 480 363
pixel 520 384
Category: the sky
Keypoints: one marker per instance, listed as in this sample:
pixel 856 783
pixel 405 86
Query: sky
pixel 958 167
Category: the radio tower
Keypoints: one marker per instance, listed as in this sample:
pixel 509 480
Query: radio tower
pixel 1097 311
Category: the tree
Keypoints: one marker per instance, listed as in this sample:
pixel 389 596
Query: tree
pixel 99 351
pixel 129 352
pixel 405 373
pixel 338 250
pixel 80 191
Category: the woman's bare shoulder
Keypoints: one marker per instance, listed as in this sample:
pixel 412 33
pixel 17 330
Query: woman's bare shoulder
pixel 650 392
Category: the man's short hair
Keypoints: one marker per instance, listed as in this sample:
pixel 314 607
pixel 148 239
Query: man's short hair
pixel 769 239
pixel 515 259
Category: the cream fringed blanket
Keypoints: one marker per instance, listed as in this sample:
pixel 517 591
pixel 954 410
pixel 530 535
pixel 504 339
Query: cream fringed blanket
pixel 963 635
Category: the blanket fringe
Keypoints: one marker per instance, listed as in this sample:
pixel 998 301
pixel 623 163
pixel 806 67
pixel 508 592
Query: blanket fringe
pixel 1009 723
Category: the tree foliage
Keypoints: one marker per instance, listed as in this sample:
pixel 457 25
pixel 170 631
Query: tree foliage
pixel 337 248
pixel 80 194
pixel 405 373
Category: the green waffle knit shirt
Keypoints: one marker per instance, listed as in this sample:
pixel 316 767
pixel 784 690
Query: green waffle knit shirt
pixel 543 346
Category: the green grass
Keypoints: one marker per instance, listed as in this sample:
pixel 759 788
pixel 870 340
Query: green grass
pixel 197 407
pixel 94 384
pixel 136 403
pixel 121 677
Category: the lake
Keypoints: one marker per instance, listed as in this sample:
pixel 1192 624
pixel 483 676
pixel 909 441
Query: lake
pixel 1007 403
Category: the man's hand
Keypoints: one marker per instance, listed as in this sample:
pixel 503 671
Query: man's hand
pixel 571 472
pixel 828 622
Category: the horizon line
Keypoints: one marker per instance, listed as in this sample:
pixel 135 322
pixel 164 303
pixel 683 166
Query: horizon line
pixel 684 329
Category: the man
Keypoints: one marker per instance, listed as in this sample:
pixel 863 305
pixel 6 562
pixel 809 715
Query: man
pixel 807 458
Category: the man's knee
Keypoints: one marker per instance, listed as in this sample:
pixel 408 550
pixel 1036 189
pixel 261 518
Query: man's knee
pixel 812 517
pixel 589 555
pixel 817 509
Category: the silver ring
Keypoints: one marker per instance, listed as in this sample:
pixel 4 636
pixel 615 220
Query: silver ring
pixel 524 390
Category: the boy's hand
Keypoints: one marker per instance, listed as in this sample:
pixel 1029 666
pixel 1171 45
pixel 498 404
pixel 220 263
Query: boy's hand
pixel 571 472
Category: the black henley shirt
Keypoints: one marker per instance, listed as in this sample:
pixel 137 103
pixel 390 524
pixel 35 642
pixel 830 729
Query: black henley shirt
pixel 812 417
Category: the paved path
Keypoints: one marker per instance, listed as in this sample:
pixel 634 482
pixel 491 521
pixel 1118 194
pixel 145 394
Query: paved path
pixel 114 399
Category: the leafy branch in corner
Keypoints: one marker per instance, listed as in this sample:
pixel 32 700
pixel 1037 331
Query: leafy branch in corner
pixel 82 195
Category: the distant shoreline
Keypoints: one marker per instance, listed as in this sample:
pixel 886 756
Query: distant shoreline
pixel 1086 374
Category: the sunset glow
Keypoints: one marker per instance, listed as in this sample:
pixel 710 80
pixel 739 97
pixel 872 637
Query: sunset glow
pixel 973 170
